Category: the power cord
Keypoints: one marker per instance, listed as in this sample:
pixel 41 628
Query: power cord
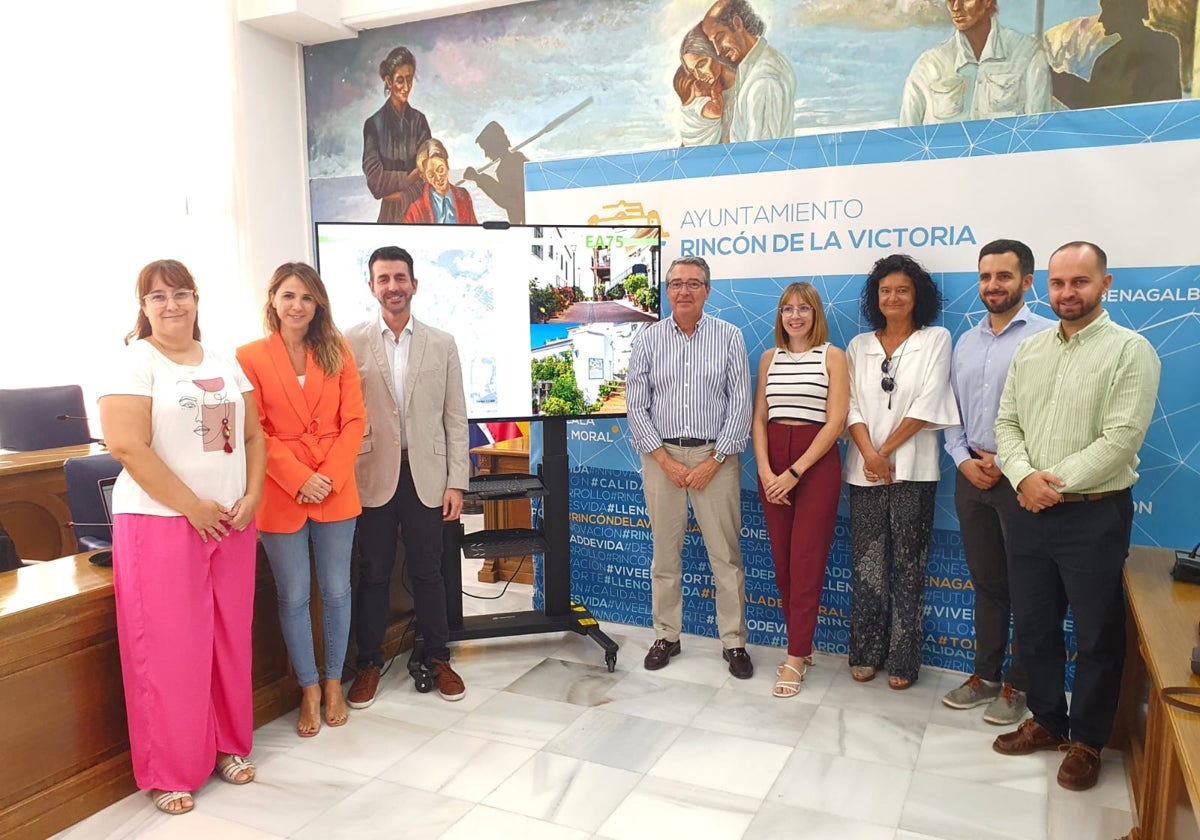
pixel 535 515
pixel 516 572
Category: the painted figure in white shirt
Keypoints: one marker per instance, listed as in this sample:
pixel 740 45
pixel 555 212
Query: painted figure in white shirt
pixel 983 71
pixel 761 103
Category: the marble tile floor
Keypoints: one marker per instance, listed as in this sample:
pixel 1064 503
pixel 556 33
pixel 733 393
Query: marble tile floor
pixel 548 744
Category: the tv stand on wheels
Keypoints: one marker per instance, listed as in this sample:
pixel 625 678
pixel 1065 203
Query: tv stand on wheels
pixel 552 540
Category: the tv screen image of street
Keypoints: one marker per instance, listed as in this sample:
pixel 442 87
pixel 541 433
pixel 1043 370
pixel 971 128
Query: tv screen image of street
pixel 544 316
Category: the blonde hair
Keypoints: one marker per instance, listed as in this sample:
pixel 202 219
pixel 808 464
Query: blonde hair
pixel 431 148
pixel 818 332
pixel 323 337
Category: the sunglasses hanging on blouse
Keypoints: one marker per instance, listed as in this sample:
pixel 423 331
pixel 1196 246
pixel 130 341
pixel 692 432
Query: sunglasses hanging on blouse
pixel 890 369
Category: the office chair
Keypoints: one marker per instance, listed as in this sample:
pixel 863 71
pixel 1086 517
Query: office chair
pixel 89 511
pixel 42 418
pixel 8 553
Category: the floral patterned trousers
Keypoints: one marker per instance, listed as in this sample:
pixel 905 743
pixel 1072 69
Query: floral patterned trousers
pixel 890 529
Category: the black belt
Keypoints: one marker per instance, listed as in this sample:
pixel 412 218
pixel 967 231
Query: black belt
pixel 1090 497
pixel 974 454
pixel 688 442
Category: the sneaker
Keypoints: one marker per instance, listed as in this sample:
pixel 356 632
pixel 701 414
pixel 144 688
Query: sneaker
pixel 449 684
pixel 974 692
pixel 1008 707
pixel 362 691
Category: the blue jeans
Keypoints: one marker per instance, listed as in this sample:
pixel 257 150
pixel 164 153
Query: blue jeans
pixel 288 553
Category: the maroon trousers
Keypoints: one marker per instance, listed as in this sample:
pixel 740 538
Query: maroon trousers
pixel 801 532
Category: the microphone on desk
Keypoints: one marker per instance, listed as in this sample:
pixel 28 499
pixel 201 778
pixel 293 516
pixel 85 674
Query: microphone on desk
pixel 84 419
pixel 103 556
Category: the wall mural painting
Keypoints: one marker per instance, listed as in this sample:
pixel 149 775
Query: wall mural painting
pixel 469 99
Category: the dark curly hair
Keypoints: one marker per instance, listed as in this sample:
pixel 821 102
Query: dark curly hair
pixel 928 303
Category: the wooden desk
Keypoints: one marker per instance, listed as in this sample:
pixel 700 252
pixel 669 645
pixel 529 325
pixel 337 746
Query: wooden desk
pixel 33 500
pixel 63 733
pixel 1164 743
pixel 507 456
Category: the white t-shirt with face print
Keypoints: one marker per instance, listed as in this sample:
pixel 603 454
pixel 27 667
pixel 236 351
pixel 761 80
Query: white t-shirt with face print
pixel 197 424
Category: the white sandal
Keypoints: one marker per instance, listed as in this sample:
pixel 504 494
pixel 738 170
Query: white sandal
pixel 165 798
pixel 789 688
pixel 808 663
pixel 231 766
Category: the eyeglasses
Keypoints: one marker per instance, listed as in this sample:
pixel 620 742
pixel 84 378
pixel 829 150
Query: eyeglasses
pixel 801 311
pixel 181 297
pixel 690 285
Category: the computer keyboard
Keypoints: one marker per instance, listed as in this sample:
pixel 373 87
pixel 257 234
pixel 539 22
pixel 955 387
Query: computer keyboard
pixel 500 486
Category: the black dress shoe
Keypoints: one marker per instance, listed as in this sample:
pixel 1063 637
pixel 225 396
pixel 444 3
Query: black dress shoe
pixel 660 653
pixel 739 662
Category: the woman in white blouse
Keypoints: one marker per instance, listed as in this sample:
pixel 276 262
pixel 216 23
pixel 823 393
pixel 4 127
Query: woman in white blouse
pixel 900 396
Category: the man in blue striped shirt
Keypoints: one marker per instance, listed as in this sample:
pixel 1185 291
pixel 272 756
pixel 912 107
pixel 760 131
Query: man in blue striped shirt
pixel 688 401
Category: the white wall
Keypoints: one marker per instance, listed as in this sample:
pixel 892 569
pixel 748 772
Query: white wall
pixel 137 131
pixel 272 185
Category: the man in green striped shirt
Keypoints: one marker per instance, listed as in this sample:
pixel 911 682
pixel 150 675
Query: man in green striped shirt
pixel 1072 417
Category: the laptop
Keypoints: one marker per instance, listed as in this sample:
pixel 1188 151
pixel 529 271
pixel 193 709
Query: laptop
pixel 105 486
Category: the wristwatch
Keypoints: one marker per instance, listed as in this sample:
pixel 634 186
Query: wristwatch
pixel 719 457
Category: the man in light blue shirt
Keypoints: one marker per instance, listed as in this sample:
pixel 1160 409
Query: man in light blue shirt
pixel 983 497
pixel 688 401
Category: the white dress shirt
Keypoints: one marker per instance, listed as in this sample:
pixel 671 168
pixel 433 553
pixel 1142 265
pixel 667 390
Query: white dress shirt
pixel 397 351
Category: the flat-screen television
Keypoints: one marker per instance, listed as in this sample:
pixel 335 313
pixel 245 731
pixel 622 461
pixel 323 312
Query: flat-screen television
pixel 544 315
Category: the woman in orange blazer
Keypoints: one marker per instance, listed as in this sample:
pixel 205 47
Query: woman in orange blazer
pixel 310 405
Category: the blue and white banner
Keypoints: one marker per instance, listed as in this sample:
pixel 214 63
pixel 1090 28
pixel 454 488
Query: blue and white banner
pixel 823 209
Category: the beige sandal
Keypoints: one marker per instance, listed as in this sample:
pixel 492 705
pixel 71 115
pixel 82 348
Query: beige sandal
pixel 164 799
pixel 789 688
pixel 231 768
pixel 862 673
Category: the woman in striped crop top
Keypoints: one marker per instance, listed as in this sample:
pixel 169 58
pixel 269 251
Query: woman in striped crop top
pixel 800 408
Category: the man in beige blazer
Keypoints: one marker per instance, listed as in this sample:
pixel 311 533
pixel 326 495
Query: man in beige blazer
pixel 412 469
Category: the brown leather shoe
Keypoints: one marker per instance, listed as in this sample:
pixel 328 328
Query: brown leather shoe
pixel 1080 769
pixel 739 662
pixel 362 692
pixel 449 684
pixel 1027 738
pixel 660 653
